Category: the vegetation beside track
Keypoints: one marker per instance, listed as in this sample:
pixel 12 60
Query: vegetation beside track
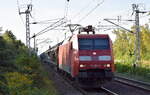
pixel 21 73
pixel 124 52
pixel 138 73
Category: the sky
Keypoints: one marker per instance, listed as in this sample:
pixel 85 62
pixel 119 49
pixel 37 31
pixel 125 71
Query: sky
pixel 77 13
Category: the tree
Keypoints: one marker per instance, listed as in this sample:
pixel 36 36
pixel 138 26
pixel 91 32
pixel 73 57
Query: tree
pixel 124 45
pixel 9 36
pixel 145 39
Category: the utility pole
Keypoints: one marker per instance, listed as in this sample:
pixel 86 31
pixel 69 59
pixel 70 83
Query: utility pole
pixel 137 34
pixel 27 12
pixel 118 19
pixel 34 43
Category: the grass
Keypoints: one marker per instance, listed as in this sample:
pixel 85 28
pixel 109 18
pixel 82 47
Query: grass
pixel 141 73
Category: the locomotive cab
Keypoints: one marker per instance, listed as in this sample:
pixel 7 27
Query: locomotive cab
pixel 95 57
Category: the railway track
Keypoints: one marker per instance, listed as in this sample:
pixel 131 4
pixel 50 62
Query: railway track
pixel 90 91
pixel 94 91
pixel 109 92
pixel 134 83
pixel 98 91
pixel 104 90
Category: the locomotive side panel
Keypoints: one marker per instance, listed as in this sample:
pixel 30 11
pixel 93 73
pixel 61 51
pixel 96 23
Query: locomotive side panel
pixel 64 58
pixel 74 57
pixel 74 63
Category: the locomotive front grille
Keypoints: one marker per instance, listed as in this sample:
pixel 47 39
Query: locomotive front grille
pixel 95 73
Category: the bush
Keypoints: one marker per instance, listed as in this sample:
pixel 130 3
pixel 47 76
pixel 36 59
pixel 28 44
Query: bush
pixel 18 83
pixel 21 74
pixel 31 66
pixel 129 69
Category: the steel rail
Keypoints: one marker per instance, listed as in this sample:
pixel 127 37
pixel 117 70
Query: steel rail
pixel 133 83
pixel 108 91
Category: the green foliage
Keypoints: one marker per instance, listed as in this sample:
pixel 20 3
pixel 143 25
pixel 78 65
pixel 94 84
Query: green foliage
pixel 21 74
pixel 124 45
pixel 17 83
pixel 124 52
pixel 30 65
pixel 3 85
pixel 9 36
pixel 130 70
pixel 145 39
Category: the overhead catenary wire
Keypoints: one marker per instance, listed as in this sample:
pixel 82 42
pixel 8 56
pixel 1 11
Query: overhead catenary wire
pixel 46 41
pixel 91 11
pixel 30 1
pixel 85 7
pixel 45 21
pixel 47 28
pixel 66 8
pixel 51 28
pixel 118 25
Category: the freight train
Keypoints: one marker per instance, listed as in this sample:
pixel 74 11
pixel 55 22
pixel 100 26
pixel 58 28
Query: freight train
pixel 87 58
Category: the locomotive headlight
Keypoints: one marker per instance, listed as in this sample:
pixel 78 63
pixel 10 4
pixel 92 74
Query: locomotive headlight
pixel 81 65
pixel 104 58
pixel 108 65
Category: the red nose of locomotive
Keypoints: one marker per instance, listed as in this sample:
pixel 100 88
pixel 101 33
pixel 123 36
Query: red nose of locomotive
pixel 95 52
pixel 95 56
pixel 98 59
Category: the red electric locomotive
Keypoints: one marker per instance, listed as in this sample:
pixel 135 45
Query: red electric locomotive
pixel 87 58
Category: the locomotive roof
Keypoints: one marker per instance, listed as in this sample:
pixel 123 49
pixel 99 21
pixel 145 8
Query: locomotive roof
pixel 89 36
pixel 93 35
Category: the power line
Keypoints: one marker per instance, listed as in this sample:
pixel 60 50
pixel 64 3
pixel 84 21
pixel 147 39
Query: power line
pixel 45 21
pixel 47 28
pixel 91 11
pixel 66 8
pixel 82 10
pixel 118 25
pixel 51 28
pixel 30 1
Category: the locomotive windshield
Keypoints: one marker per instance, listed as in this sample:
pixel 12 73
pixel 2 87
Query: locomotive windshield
pixel 93 43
